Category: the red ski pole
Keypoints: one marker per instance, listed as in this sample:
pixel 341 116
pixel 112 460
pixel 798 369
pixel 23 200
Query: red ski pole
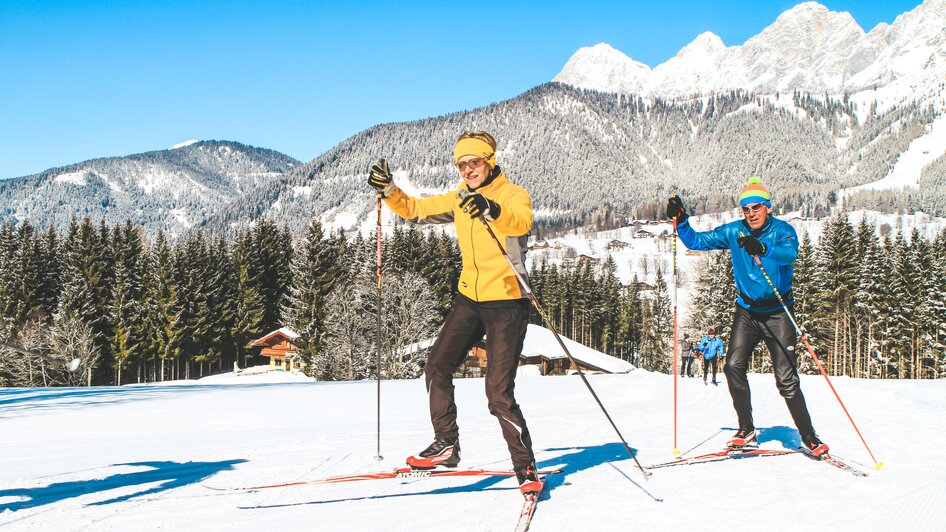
pixel 811 351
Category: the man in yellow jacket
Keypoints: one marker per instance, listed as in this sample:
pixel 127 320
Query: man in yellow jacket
pixel 490 301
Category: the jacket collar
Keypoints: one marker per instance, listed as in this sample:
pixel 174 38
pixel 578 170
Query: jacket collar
pixel 493 185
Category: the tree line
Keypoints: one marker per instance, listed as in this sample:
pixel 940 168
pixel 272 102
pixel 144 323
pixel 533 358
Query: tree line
pixel 133 309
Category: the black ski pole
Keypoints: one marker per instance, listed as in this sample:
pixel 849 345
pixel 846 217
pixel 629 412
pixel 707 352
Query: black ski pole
pixel 378 456
pixel 535 302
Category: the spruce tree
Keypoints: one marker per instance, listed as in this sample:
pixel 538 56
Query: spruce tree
pixel 248 304
pixel 316 270
pixel 126 310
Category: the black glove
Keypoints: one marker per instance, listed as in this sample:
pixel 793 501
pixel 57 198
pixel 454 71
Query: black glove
pixel 675 209
pixel 477 205
pixel 752 245
pixel 380 178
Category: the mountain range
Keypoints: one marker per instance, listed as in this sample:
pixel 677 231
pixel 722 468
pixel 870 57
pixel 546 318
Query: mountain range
pixel 807 48
pixel 813 104
pixel 171 190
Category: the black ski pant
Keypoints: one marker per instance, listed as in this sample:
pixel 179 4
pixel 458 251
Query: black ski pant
pixel 504 324
pixel 706 365
pixel 778 333
pixel 687 367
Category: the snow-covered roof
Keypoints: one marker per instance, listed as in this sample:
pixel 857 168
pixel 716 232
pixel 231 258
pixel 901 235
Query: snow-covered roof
pixel 541 342
pixel 285 331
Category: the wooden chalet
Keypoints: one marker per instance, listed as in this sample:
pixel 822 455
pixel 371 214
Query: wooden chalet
pixel 475 363
pixel 279 346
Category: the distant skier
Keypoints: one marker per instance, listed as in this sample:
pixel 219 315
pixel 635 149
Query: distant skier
pixel 490 300
pixel 711 349
pixel 686 355
pixel 759 315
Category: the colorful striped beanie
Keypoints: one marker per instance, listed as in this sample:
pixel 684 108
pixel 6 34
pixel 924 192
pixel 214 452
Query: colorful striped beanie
pixel 755 193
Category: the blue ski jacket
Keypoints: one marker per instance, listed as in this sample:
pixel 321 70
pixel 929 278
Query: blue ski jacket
pixel 781 242
pixel 711 347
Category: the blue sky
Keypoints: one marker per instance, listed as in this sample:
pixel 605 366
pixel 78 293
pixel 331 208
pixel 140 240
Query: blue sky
pixel 87 79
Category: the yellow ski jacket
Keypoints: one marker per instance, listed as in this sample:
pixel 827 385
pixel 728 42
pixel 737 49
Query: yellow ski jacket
pixel 486 276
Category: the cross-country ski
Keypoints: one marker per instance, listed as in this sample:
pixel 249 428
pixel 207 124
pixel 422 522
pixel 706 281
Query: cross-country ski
pixel 399 473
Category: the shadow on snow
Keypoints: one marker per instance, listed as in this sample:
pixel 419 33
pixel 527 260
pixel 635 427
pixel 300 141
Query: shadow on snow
pixel 171 475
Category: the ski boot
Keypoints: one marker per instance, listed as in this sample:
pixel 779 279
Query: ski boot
pixel 443 452
pixel 529 483
pixel 816 447
pixel 744 438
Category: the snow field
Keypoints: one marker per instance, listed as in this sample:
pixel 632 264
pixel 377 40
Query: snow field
pixel 134 458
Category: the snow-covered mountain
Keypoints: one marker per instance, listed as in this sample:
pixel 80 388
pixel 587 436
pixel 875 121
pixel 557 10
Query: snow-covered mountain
pixel 172 189
pixel 808 48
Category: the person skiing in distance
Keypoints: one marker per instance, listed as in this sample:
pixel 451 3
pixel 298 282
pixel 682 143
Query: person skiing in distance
pixel 759 316
pixel 711 347
pixel 686 355
pixel 490 301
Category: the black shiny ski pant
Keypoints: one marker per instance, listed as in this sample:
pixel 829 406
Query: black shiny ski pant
pixel 504 324
pixel 706 366
pixel 778 333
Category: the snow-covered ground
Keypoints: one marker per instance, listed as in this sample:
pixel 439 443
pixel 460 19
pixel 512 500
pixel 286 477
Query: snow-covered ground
pixel 135 457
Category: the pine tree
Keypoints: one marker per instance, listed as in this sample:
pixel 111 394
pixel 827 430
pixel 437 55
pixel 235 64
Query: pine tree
pixel 126 311
pixel 316 270
pixel 86 295
pixel 219 295
pixel 248 305
pixel 270 259
pixel 835 277
pixel 162 301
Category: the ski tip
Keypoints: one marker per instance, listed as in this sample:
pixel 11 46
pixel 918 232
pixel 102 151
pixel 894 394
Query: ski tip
pixel 878 466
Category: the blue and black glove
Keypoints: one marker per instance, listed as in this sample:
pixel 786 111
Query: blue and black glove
pixel 752 245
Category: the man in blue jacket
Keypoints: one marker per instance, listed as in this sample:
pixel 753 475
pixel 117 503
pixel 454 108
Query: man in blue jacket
pixel 759 316
pixel 711 347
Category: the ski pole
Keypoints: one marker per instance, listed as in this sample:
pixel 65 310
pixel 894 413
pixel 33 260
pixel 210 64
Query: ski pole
pixel 535 302
pixel 71 366
pixel 378 456
pixel 811 351
pixel 676 450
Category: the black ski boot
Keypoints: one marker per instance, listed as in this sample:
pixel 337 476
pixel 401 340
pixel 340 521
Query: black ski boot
pixel 529 483
pixel 743 438
pixel 443 452
pixel 816 447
